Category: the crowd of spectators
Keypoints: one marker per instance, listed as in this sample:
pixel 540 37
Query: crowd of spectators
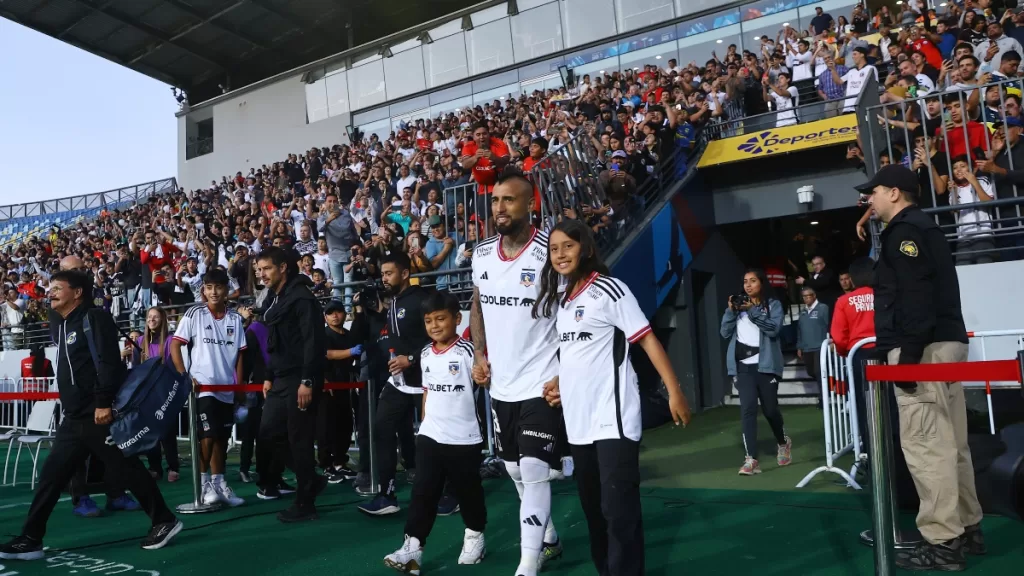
pixel 424 188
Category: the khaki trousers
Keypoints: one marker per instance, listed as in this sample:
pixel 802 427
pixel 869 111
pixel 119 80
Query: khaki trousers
pixel 933 431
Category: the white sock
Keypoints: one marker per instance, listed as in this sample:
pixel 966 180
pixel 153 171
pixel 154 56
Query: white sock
pixel 218 479
pixel 534 512
pixel 205 478
pixel 550 536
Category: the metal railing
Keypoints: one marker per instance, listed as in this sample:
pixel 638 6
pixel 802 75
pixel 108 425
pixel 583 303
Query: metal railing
pixel 804 113
pixel 198 147
pixel 956 160
pixel 136 193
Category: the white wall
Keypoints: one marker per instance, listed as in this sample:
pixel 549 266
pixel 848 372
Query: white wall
pixel 989 294
pixel 256 128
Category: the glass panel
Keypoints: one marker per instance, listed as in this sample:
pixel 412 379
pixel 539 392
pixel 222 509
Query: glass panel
pixel 525 5
pixel 337 93
pixel 364 58
pixel 405 45
pixel 404 73
pixel 633 14
pixel 489 47
pixel 510 77
pixel 768 7
pixel 686 7
pixel 492 14
pixel 642 41
pixel 585 57
pixel 658 55
pixel 500 93
pixel 585 21
pixel 708 23
pixel 445 60
pixel 531 71
pixel 408 118
pixel 542 83
pixel 451 93
pixel 316 96
pixel 446 29
pixel 698 48
pixel 457 105
pixel 536 33
pixel 368 116
pixel 599 68
pixel 366 85
pixel 417 103
pixel 382 128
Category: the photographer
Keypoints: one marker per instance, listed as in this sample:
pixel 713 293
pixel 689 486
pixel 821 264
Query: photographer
pixel 401 342
pixel 754 359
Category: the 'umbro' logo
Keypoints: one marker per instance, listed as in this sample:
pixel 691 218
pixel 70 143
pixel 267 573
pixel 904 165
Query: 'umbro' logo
pixel 484 277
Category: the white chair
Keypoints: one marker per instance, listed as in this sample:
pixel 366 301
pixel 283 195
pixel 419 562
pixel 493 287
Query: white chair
pixel 40 429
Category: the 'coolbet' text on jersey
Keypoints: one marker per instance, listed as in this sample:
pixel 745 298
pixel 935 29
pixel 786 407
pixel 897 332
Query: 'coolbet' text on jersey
pixel 523 352
pixel 214 345
pixel 600 396
pixel 450 415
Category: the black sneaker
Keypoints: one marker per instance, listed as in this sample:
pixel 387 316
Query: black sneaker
pixel 284 488
pixel 346 472
pixel 268 494
pixel 447 506
pixel 161 535
pixel 334 476
pixel 22 548
pixel 974 541
pixel 947 556
pixel 296 514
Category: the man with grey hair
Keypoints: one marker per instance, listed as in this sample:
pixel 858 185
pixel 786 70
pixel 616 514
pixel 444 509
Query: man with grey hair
pixel 812 329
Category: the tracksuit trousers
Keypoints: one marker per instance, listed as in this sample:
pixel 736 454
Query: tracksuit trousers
pixel 334 428
pixel 608 479
pixel 437 463
pixel 286 439
pixel 754 387
pixel 395 413
pixel 74 442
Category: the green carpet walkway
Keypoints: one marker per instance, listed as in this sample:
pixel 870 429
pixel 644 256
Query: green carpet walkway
pixel 699 518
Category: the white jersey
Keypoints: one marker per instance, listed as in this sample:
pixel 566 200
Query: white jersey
pixel 213 347
pixel 523 352
pixel 600 394
pixel 450 415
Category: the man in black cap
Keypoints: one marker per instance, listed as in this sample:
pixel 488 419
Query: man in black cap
pixel 918 320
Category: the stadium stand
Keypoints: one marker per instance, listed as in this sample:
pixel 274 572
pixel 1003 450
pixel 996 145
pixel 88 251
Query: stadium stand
pixel 596 149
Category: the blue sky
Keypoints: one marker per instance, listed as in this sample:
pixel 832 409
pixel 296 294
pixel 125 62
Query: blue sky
pixel 73 123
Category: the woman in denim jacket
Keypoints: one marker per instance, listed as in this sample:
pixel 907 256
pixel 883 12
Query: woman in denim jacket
pixel 754 359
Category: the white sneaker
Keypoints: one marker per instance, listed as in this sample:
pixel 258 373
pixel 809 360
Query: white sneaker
pixel 473 548
pixel 210 495
pixel 228 496
pixel 407 558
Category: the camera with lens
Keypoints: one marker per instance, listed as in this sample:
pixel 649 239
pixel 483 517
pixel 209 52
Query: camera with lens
pixel 246 301
pixel 369 294
pixel 737 300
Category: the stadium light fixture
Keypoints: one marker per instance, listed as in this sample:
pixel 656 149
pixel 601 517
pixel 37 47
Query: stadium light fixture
pixel 814 222
pixel 658 57
pixel 719 41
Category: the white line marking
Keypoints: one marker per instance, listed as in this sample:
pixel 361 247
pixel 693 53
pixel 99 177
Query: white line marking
pixel 15 505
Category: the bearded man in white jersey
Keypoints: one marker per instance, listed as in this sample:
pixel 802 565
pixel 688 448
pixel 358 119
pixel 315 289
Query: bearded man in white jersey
pixel 517 360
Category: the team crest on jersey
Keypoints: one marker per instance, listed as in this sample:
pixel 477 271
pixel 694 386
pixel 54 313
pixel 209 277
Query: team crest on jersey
pixel 401 313
pixel 453 368
pixel 72 338
pixel 579 314
pixel 527 277
pixel 231 331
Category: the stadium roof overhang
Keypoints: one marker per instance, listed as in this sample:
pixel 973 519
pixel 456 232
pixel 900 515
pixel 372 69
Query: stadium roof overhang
pixel 208 46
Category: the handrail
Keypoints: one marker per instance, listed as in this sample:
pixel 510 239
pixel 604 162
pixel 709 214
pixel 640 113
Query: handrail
pixel 66 204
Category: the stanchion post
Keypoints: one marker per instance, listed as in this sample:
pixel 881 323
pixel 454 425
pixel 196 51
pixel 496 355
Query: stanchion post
pixel 371 408
pixel 196 506
pixel 881 501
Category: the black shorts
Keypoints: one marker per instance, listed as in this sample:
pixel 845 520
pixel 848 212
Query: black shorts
pixel 216 418
pixel 528 428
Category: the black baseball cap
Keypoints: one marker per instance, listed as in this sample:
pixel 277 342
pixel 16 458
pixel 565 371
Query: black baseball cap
pixel 334 306
pixel 892 176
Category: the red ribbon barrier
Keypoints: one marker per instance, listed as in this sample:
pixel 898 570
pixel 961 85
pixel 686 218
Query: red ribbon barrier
pixel 36 396
pixel 982 371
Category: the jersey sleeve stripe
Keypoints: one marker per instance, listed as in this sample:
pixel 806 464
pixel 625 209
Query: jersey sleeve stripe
pixel 607 289
pixel 179 339
pixel 640 334
pixel 613 284
pixel 467 347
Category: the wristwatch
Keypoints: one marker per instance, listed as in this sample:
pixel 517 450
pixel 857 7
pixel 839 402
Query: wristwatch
pixel 307 383
pixel 411 359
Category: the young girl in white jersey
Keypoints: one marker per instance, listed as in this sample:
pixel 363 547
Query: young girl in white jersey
pixel 597 318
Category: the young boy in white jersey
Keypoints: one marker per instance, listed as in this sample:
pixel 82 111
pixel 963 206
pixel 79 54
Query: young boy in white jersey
pixel 449 444
pixel 215 336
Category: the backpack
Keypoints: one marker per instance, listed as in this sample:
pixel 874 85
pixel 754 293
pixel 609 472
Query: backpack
pixel 147 403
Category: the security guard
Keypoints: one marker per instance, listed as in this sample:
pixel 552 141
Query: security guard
pixel 918 320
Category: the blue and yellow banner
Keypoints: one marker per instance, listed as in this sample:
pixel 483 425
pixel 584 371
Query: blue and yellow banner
pixel 781 140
